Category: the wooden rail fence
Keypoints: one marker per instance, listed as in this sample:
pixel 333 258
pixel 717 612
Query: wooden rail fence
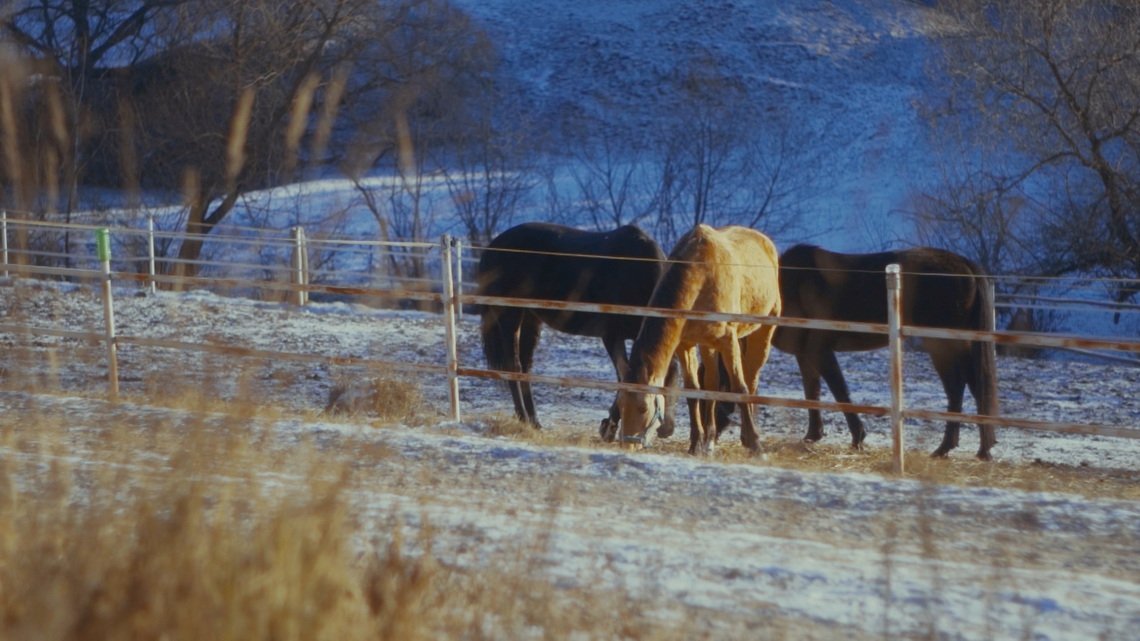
pixel 447 292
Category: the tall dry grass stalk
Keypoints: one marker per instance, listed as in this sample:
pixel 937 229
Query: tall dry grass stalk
pixel 203 526
pixel 177 552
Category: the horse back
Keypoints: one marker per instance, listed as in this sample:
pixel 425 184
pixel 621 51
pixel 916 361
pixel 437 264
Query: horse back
pixel 939 289
pixel 729 269
pixel 552 262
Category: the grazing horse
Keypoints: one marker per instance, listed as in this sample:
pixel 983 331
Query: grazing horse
pixel 550 262
pixel 729 270
pixel 939 289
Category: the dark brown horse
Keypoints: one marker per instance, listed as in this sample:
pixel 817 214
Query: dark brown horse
pixel 939 289
pixel 555 263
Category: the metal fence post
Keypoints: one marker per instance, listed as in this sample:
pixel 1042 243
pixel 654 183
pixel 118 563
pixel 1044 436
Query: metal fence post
pixel 150 249
pixel 449 300
pixel 894 334
pixel 300 265
pixel 304 265
pixel 4 238
pixel 459 275
pixel 103 249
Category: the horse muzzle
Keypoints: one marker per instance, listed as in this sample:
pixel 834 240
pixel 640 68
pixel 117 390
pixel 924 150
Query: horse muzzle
pixel 644 438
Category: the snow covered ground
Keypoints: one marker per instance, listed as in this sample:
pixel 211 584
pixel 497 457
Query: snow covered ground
pixel 724 550
pixel 717 547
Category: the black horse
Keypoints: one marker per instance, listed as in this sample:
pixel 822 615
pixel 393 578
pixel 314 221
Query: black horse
pixel 939 289
pixel 555 263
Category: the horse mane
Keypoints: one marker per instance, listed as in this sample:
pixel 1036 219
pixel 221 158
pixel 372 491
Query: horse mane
pixel 678 288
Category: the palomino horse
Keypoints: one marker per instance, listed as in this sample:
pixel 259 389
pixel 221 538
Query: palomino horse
pixel 555 263
pixel 939 289
pixel 728 270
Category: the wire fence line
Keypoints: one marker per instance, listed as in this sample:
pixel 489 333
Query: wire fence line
pixel 285 274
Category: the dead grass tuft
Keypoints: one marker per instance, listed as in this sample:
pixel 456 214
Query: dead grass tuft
pixel 387 398
pixel 509 426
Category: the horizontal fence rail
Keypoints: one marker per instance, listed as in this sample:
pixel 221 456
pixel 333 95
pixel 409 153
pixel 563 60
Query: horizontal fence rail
pixel 289 276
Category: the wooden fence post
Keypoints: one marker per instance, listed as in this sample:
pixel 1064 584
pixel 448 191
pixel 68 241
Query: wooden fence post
pixel 449 304
pixel 103 249
pixel 894 334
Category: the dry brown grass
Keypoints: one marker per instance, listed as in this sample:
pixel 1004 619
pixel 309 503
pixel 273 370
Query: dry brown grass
pixel 169 552
pixel 385 398
pixel 169 527
pixel 960 469
pixel 185 528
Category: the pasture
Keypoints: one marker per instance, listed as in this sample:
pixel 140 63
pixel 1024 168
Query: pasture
pixel 817 543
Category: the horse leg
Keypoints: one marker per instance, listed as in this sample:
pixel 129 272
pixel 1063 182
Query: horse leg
pixel 984 393
pixel 829 368
pixel 669 421
pixel 690 374
pixel 723 414
pixel 528 334
pixel 740 384
pixel 710 380
pixel 809 373
pixel 501 344
pixel 615 347
pixel 950 370
pixel 757 346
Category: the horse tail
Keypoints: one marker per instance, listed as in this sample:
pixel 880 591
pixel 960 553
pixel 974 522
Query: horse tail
pixel 494 348
pixel 983 355
pixel 491 317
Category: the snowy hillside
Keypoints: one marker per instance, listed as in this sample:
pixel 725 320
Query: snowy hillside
pixel 848 72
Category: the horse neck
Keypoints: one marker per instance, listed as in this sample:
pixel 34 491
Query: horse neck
pixel 659 338
pixel 653 350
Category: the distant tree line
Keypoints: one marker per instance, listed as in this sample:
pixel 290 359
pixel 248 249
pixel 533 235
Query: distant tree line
pixel 209 99
pixel 1037 104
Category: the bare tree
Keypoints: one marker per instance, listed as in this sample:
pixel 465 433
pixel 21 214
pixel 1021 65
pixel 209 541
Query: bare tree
pixel 611 177
pixel 490 168
pixel 216 97
pixel 993 220
pixel 1051 90
pixel 728 158
pixel 74 43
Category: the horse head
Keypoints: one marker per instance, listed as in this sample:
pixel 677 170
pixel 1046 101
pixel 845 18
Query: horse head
pixel 642 415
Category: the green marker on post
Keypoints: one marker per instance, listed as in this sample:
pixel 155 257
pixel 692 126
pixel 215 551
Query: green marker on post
pixel 103 244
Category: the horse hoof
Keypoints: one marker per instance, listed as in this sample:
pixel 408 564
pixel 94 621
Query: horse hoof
pixel 858 447
pixel 608 430
pixel 940 453
pixel 666 430
pixel 985 456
